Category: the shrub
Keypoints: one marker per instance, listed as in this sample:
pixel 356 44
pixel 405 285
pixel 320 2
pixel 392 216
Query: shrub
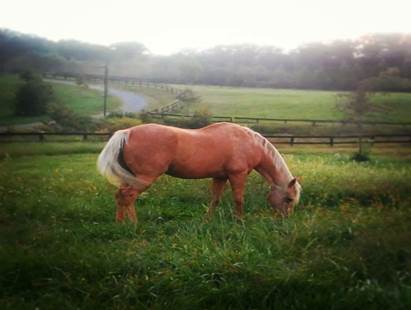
pixel 68 119
pixel 200 118
pixel 188 96
pixel 80 81
pixel 113 124
pixel 364 151
pixel 33 96
pixel 28 76
pixel 145 117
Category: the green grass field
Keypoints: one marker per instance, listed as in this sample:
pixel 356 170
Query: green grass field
pixel 289 103
pixel 82 101
pixel 346 247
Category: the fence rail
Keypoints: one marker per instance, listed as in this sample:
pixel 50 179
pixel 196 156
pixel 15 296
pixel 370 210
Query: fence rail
pixel 259 120
pixel 276 139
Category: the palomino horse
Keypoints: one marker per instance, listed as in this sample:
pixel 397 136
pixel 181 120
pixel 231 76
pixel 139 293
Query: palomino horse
pixel 134 158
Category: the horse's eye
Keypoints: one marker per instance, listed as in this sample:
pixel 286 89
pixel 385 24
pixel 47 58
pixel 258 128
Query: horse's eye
pixel 288 200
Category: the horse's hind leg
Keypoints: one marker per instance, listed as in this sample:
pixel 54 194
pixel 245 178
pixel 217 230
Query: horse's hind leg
pixel 126 196
pixel 217 189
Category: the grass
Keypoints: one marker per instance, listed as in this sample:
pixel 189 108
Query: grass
pixel 346 247
pixel 84 101
pixel 81 100
pixel 291 103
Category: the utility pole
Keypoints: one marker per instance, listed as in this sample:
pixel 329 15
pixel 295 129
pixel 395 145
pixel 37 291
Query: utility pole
pixel 105 88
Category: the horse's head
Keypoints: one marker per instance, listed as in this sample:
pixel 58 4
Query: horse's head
pixel 284 199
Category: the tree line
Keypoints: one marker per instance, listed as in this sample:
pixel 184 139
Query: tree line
pixel 382 59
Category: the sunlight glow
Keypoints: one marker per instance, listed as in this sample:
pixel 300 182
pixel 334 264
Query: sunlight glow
pixel 169 26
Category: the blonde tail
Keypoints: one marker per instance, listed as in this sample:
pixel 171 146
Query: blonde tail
pixel 108 161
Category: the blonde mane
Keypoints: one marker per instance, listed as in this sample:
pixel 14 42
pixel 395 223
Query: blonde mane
pixel 270 151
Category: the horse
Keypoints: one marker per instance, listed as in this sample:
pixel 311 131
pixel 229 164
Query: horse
pixel 134 158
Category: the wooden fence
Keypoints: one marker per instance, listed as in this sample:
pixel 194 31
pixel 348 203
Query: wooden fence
pixel 132 81
pixel 164 110
pixel 275 139
pixel 261 120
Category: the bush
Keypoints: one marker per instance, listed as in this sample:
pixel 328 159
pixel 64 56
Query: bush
pixel 69 120
pixel 145 117
pixel 28 76
pixel 188 96
pixel 33 96
pixel 364 151
pixel 80 81
pixel 113 124
pixel 360 157
pixel 200 118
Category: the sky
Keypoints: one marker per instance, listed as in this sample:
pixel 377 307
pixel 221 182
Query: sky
pixel 166 27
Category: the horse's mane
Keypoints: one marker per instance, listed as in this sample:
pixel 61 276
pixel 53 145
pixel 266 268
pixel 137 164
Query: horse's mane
pixel 270 151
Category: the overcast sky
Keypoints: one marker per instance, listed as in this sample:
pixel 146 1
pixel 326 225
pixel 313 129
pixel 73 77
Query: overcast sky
pixel 168 26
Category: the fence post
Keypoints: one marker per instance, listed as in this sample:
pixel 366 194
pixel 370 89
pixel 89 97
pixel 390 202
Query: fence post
pixel 292 141
pixel 332 141
pixel 41 137
pixel 85 136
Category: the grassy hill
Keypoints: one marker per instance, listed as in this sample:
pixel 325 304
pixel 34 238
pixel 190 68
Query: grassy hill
pixel 81 100
pixel 288 103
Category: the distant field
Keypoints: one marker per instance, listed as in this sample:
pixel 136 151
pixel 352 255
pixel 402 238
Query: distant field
pixel 286 103
pixel 346 247
pixel 80 100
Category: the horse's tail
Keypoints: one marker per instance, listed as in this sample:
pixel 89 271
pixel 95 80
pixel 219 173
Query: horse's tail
pixel 108 163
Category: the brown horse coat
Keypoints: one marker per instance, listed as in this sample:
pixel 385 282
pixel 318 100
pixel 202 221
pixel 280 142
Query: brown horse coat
pixel 134 158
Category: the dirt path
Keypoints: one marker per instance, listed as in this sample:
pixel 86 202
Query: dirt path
pixel 132 102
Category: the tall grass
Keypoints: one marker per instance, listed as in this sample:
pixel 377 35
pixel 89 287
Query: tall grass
pixel 346 246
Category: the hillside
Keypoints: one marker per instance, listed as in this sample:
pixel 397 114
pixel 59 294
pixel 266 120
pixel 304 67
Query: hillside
pixel 82 101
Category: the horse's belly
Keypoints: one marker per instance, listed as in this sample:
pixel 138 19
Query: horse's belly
pixel 190 171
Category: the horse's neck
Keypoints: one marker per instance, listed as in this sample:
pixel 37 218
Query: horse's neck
pixel 273 167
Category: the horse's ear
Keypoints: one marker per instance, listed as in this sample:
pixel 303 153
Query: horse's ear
pixel 292 183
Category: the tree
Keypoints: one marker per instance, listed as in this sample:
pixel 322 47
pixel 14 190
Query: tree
pixel 33 97
pixel 188 97
pixel 357 106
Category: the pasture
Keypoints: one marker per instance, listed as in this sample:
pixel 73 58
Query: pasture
pixel 82 101
pixel 346 246
pixel 291 103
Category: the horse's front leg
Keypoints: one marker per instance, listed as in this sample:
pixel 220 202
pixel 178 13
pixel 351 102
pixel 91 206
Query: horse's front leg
pixel 237 182
pixel 217 189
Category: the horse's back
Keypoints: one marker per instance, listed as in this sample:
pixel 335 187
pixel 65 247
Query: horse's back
pixel 190 153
